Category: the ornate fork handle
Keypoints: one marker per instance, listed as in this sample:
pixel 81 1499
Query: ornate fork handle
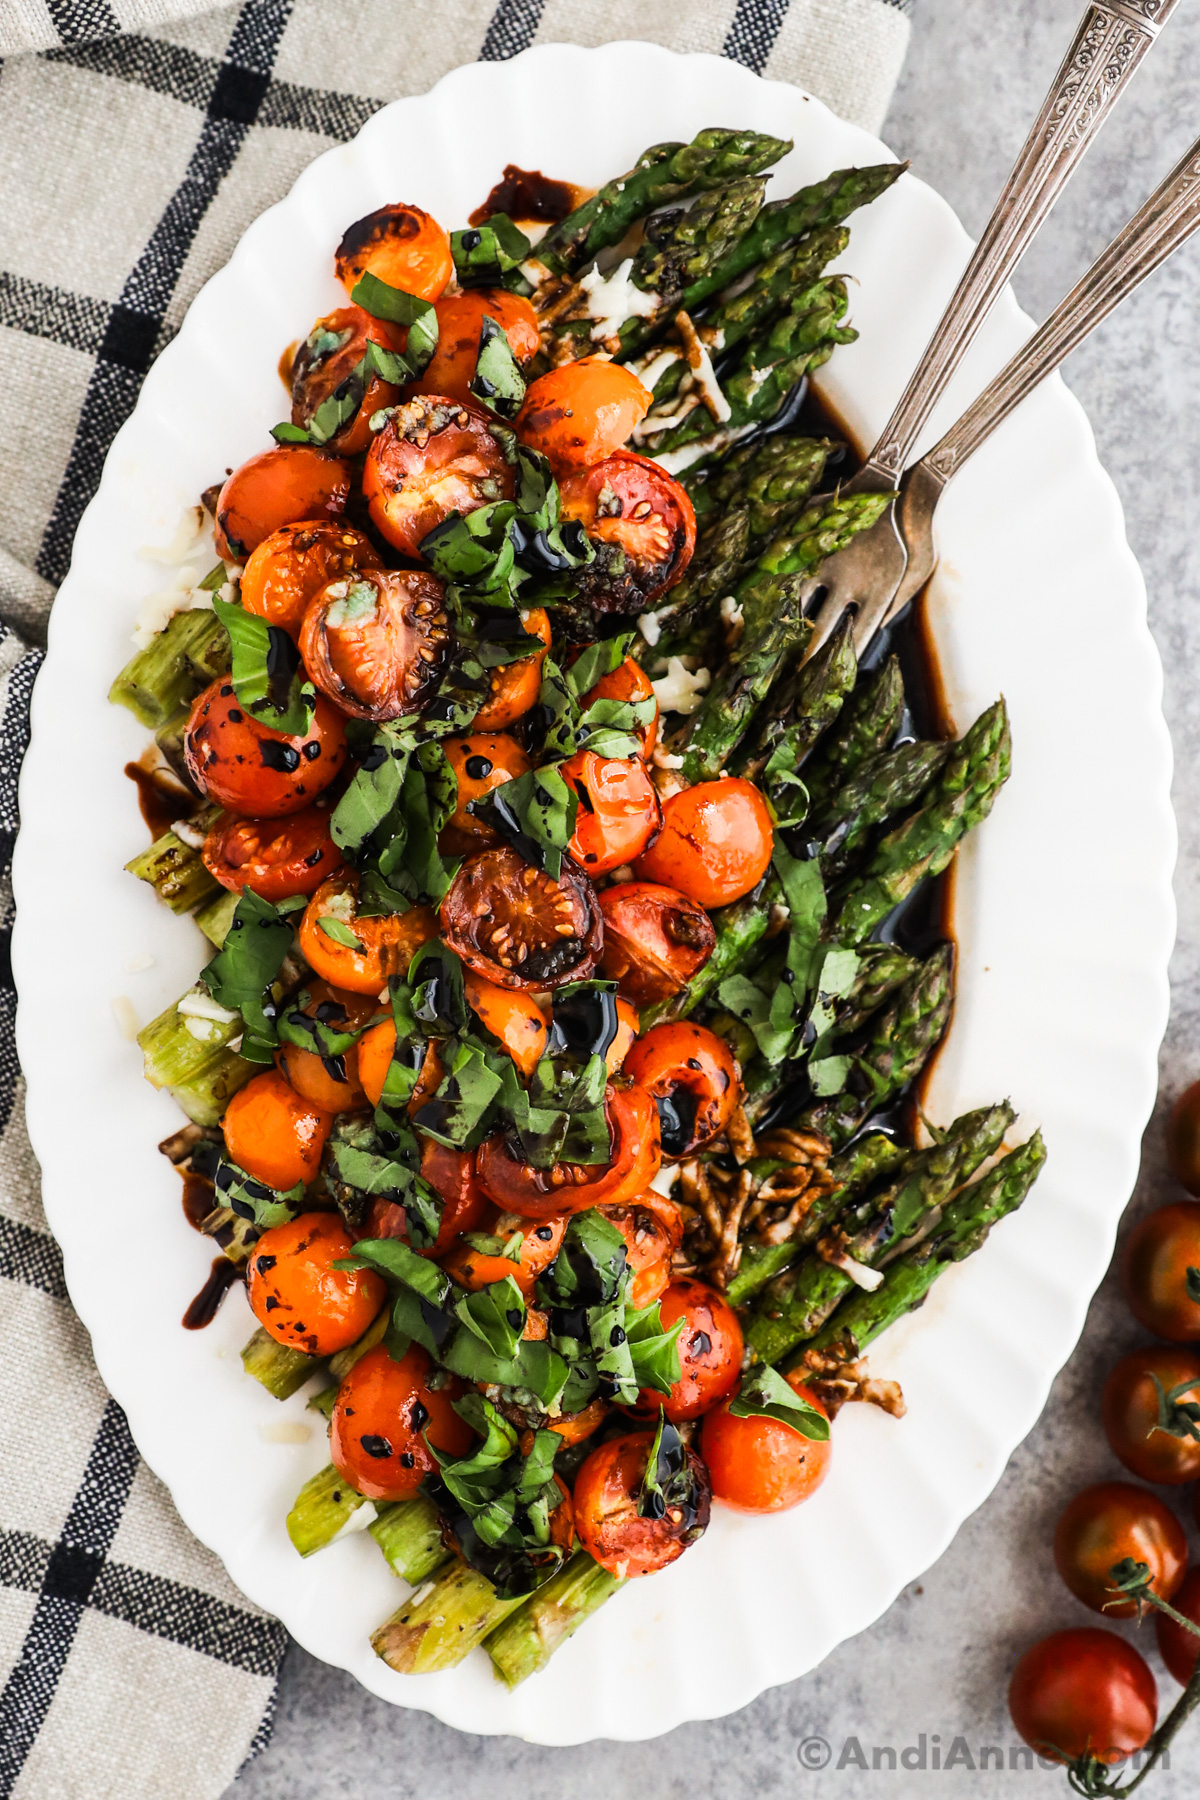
pixel 1111 41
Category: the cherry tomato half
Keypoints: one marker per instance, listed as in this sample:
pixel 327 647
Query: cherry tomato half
pixel 642 525
pixel 300 1297
pixel 628 1025
pixel 515 685
pixel 464 1203
pixel 715 844
pixel 579 414
pixel 1129 1414
pixel 519 928
pixel 482 762
pixel 386 943
pixel 434 457
pixel 694 1082
pixel 1177 1646
pixel 1083 1692
pixel 516 1021
pixel 287 568
pixel 330 1082
pixel 652 1227
pixel 540 1244
pixel 248 768
pixel 1161 1257
pixel 606 1509
pixel 399 244
pixel 1183 1139
pixel 759 1465
pixel 376 640
pixel 382 1415
pixel 655 940
pixel 619 810
pixel 628 682
pixel 460 323
pixel 275 857
pixel 710 1351
pixel 1107 1523
pixel 274 1134
pixel 277 487
pixel 329 354
pixel 573 1187
pixel 376 1050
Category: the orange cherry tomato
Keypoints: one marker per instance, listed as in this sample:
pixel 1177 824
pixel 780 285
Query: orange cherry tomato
pixel 519 928
pixel 759 1465
pixel 1129 1413
pixel 627 1030
pixel 382 1415
pixel 1106 1524
pixel 288 568
pixel 1083 1693
pixel 610 1527
pixel 277 487
pixel 516 685
pixel 619 810
pixel 464 1203
pixel 540 1244
pixel 628 682
pixel 298 1295
pixel 710 1351
pixel 715 844
pixel 572 1428
pixel 655 940
pixel 434 457
pixel 652 1227
pixel 693 1079
pixel 329 354
pixel 481 763
pixel 573 1187
pixel 642 525
pixel 248 768
pixel 275 857
pixel 386 944
pixel 399 244
pixel 274 1134
pixel 579 414
pixel 1178 1647
pixel 460 323
pixel 330 1082
pixel 1161 1251
pixel 376 1049
pixel 516 1021
pixel 376 640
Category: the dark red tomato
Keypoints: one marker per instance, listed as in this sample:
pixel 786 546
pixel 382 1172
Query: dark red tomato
pixel 376 641
pixel 519 928
pixel 580 413
pixel 642 525
pixel 481 763
pixel 244 766
pixel 1129 1412
pixel 573 1187
pixel 655 940
pixel 715 844
pixel 652 1227
pixel 288 567
pixel 460 323
pixel 383 1412
pixel 328 356
pixel 540 1244
pixel 607 1520
pixel 759 1465
pixel 1161 1263
pixel 1177 1646
pixel 710 1351
pixel 399 244
pixel 1183 1139
pixel 464 1203
pixel 619 810
pixel 693 1080
pixel 628 682
pixel 278 487
pixel 1083 1693
pixel 299 1295
pixel 1107 1523
pixel 433 457
pixel 275 857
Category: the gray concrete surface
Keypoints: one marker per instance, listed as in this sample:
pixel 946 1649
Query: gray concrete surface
pixel 938 1662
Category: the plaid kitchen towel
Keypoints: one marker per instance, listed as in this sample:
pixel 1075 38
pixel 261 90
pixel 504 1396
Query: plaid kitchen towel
pixel 138 139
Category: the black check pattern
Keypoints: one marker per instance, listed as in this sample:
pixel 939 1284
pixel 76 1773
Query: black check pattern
pixel 256 96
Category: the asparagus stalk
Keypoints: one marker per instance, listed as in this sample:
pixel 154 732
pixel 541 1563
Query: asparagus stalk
pixel 825 526
pixel 182 659
pixel 528 1638
pixel 190 1057
pixel 410 1536
pixel 867 724
pixel 682 246
pixel 442 1621
pixel 799 1302
pixel 721 550
pixel 715 729
pixel 883 786
pixel 882 970
pixel 964 1226
pixel 323 1509
pixel 975 771
pixel 175 870
pixel 281 1369
pixel 216 916
pixel 801 706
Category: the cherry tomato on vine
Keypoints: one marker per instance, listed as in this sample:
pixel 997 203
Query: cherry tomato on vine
pixel 464 1203
pixel 384 946
pixel 642 525
pixel 652 1227
pixel 434 457
pixel 275 857
pixel 331 1081
pixel 515 685
pixel 1106 1524
pixel 1177 1646
pixel 693 1079
pixel 715 844
pixel 710 1351
pixel 398 244
pixel 1161 1268
pixel 573 1187
pixel 580 413
pixel 610 1527
pixel 481 763
pixel 517 926
pixel 1083 1692
pixel 376 641
pixel 248 768
pixel 627 682
pixel 460 322
pixel 384 1411
pixel 329 354
pixel 655 940
pixel 1129 1412
pixel 277 487
pixel 274 1134
pixel 298 1295
pixel 619 810
pixel 760 1465
pixel 288 568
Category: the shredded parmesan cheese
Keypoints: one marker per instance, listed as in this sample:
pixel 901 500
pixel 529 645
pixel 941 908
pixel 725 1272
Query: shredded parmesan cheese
pixel 651 372
pixel 187 834
pixel 199 1004
pixel 700 363
pixel 679 691
pixel 611 299
pixel 359 1519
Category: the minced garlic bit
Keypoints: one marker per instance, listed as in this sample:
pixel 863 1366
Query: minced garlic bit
pixel 127 1019
pixel 613 298
pixel 679 691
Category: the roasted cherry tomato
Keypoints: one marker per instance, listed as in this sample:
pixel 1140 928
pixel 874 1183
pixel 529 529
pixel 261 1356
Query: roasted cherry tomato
pixel 250 769
pixel 1129 1412
pixel 573 1187
pixel 1104 1525
pixel 287 568
pixel 694 1082
pixel 1177 1646
pixel 464 1203
pixel 274 1134
pixel 1160 1265
pixel 328 1081
pixel 383 1414
pixel 572 1428
pixel 628 682
pixel 652 1227
pixel 540 1244
pixel 710 1351
pixel 328 356
pixel 715 844
pixel 515 685
pixel 300 1297
pixel 482 762
pixel 375 641
pixel 641 524
pixel 610 1527
pixel 627 1030
pixel 460 322
pixel 514 1020
pixel 398 244
pixel 519 928
pixel 579 414
pixel 655 940
pixel 760 1465
pixel 386 944
pixel 434 457
pixel 376 1050
pixel 619 810
pixel 278 487
pixel 1183 1139
pixel 275 857
pixel 1083 1692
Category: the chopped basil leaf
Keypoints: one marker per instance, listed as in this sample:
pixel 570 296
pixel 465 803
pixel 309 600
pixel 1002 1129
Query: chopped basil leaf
pixel 398 308
pixel 243 1194
pixel 765 1394
pixel 396 1262
pixel 287 433
pixel 495 1314
pixel 339 932
pixel 828 1074
pixel 668 1481
pixel 484 254
pixel 214 580
pixel 267 673
pixel 498 1502
pixel 497 382
pixel 241 974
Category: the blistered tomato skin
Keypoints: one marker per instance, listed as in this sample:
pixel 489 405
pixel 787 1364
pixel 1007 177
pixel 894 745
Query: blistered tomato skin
pixel 759 1465
pixel 384 1411
pixel 298 1295
pixel 277 487
pixel 434 457
pixel 512 1017
pixel 655 940
pixel 376 641
pixel 628 682
pixel 652 1227
pixel 715 844
pixel 248 769
pixel 288 568
pixel 579 414
pixel 273 1133
pixel 515 685
pixel 276 858
pixel 386 943
pixel 619 810
pixel 460 323
pixel 540 1244
pixel 693 1080
pixel 710 1351
pixel 608 1522
pixel 464 1203
pixel 329 1082
pixel 532 1193
pixel 643 527
pixel 400 245
pixel 327 358
pixel 481 763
